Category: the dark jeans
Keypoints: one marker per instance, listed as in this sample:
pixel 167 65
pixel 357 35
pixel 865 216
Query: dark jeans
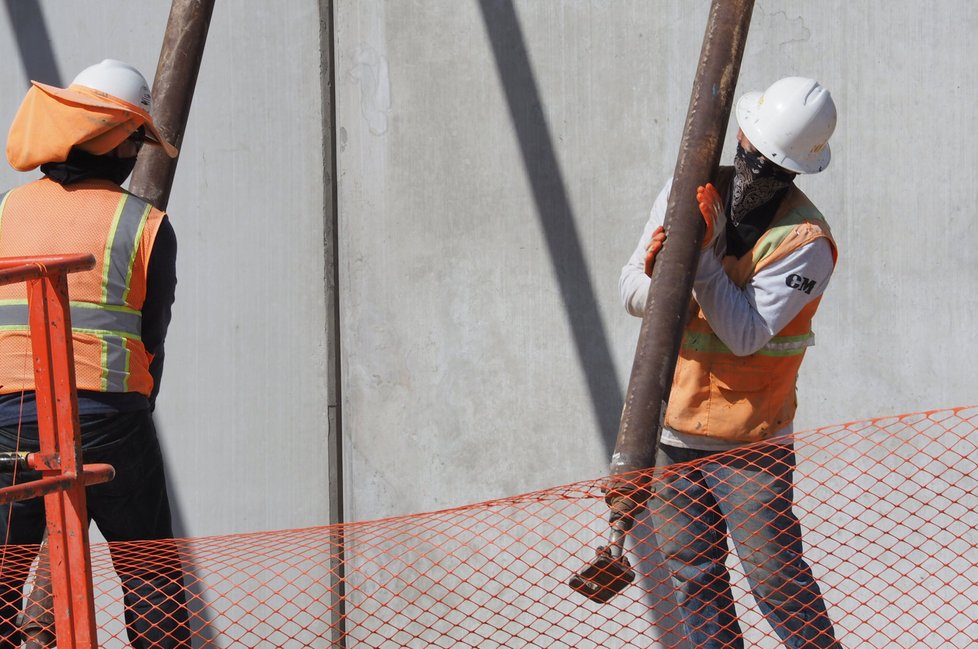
pixel 746 494
pixel 133 506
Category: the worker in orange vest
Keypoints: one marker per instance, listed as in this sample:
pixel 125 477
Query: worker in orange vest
pixel 85 139
pixel 767 258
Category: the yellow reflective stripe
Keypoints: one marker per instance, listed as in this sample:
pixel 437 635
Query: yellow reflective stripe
pixel 121 246
pixel 709 343
pixel 113 327
pixel 777 233
pixel 141 225
pixel 788 345
pixel 115 364
pixel 705 343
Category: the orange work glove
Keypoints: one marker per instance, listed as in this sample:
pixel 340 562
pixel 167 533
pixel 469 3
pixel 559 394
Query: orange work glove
pixel 711 207
pixel 655 245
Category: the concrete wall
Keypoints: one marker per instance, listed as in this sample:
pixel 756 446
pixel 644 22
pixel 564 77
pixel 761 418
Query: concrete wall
pixel 496 162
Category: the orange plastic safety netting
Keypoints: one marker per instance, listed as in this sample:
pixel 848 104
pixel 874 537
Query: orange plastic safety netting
pixel 889 518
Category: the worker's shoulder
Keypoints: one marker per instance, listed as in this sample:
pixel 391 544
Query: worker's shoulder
pixel 797 206
pixel 90 192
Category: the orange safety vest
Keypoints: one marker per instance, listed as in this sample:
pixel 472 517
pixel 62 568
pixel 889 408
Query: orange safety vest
pixel 92 216
pixel 747 398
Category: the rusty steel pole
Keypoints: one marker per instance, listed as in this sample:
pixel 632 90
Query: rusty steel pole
pixel 675 266
pixel 669 293
pixel 173 92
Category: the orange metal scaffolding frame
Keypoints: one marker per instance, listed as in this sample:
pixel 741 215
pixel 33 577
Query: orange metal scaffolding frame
pixel 59 460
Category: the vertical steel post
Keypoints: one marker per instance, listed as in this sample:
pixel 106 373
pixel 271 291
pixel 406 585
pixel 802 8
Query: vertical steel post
pixel 675 267
pixel 334 396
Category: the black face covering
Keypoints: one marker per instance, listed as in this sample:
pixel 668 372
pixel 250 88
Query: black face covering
pixel 83 166
pixel 756 181
pixel 756 191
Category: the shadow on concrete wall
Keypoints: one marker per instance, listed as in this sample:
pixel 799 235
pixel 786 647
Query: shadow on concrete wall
pixel 570 266
pixel 202 629
pixel 31 33
pixel 555 214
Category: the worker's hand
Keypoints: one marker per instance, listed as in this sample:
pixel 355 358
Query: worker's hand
pixel 655 245
pixel 711 207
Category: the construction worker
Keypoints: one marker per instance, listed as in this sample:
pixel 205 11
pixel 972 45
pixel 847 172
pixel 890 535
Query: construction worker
pixel 767 258
pixel 85 139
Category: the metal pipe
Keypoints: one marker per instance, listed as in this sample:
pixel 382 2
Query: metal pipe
pixel 672 277
pixel 173 92
pixel 14 270
pixel 52 263
pixel 90 474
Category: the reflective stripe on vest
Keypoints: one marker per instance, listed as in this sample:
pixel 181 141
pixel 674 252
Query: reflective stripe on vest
pixel 89 319
pixel 115 363
pixel 127 228
pixel 709 343
pixel 121 322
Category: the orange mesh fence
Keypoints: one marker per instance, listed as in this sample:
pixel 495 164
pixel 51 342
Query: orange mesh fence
pixel 889 521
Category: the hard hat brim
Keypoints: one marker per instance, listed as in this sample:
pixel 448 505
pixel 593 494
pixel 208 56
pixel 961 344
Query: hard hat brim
pixel 87 97
pixel 746 112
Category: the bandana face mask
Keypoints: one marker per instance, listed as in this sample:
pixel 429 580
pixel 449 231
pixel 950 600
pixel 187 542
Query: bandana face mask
pixel 756 181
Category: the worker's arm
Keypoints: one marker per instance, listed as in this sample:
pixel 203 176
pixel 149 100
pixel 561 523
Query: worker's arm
pixel 746 319
pixel 161 283
pixel 633 283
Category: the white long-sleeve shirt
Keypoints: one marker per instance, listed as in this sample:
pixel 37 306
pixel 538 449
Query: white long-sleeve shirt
pixel 745 319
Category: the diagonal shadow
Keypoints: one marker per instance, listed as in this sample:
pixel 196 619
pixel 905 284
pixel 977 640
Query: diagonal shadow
pixel 567 257
pixel 31 33
pixel 555 214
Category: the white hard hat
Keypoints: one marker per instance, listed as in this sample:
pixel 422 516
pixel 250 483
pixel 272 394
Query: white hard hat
pixel 112 86
pixel 118 79
pixel 790 123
